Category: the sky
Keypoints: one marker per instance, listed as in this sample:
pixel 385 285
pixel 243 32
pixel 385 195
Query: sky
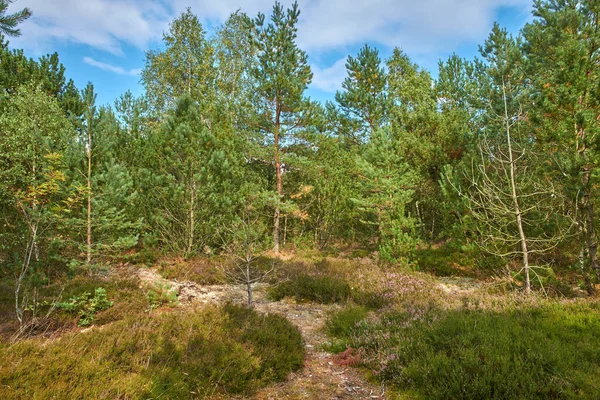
pixel 104 41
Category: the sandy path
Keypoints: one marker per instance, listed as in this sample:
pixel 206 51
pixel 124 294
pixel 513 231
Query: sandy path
pixel 323 377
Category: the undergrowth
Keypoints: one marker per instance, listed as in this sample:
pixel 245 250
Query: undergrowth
pixel 321 289
pixel 549 351
pixel 178 355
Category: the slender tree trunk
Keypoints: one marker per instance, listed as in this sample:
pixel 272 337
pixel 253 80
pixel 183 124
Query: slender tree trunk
pixel 89 195
pixel 191 221
pixel 249 285
pixel 279 181
pixel 515 198
pixel 36 249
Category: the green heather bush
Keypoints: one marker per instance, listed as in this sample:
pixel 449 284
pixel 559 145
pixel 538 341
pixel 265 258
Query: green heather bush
pixel 545 352
pixel 341 325
pixel 320 289
pixel 177 355
pixel 371 300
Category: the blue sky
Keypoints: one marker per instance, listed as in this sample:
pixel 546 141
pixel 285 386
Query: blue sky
pixel 104 41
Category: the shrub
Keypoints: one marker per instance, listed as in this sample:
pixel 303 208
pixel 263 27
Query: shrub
pixel 175 355
pixel 160 294
pixel 86 306
pixel 548 352
pixel 371 300
pixel 341 325
pixel 320 289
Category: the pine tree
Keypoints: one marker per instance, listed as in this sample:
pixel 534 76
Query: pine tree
pixel 9 22
pixel 386 187
pixel 363 101
pixel 282 75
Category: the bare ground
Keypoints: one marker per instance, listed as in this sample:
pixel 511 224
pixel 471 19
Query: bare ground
pixel 325 376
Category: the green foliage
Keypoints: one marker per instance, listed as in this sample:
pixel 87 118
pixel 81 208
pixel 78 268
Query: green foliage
pixel 541 352
pixel 386 186
pixel 363 101
pixel 184 67
pixel 86 306
pixel 342 324
pixel 9 22
pixel 451 259
pixel 320 289
pixel 160 294
pixel 196 354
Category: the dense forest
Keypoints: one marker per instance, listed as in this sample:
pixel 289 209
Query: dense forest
pixel 489 166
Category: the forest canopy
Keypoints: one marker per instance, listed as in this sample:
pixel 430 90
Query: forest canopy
pixel 497 156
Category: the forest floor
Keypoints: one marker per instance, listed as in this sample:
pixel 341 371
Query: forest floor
pixel 324 376
pixel 428 308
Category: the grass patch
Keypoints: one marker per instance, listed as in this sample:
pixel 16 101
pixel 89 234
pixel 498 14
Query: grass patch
pixel 546 352
pixel 320 289
pixel 229 350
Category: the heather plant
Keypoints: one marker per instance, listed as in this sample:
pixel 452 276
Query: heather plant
pixel 529 350
pixel 193 354
pixel 321 289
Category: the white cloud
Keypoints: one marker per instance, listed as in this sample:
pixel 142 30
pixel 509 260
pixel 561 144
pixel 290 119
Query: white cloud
pixel 111 68
pixel 101 24
pixel 423 26
pixel 329 79
pixel 416 26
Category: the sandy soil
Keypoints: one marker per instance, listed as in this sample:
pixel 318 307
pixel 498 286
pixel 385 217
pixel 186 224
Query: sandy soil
pixel 325 375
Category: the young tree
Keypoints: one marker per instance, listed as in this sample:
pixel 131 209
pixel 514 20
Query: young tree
pixel 184 67
pixel 9 22
pixel 245 239
pixel 386 187
pixel 282 74
pixel 363 101
pixel 35 134
pixel 89 99
pixel 514 204
pixel 188 184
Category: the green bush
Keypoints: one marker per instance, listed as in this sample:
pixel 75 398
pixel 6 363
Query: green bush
pixel 86 306
pixel 371 300
pixel 177 355
pixel 161 294
pixel 550 352
pixel 320 289
pixel 342 323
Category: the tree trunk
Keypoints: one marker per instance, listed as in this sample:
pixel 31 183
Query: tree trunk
pixel 249 286
pixel 191 221
pixel 89 196
pixel 279 181
pixel 587 205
